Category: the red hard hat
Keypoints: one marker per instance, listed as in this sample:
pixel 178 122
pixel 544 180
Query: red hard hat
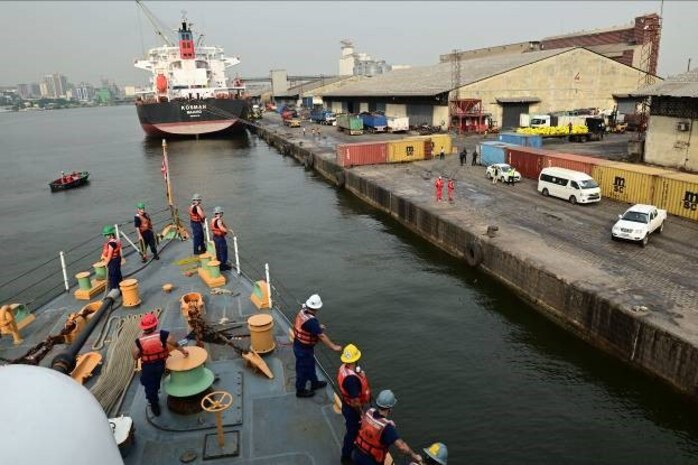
pixel 149 321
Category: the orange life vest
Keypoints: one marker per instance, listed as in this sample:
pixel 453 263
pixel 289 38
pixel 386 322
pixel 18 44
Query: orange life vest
pixel 364 397
pixel 152 347
pixel 116 251
pixel 216 227
pixel 301 335
pixel 145 224
pixel 194 214
pixel 369 438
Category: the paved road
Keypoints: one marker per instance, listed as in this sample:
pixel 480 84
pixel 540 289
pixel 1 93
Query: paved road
pixel 663 273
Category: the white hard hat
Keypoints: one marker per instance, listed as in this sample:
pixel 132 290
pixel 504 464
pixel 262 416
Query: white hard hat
pixel 314 302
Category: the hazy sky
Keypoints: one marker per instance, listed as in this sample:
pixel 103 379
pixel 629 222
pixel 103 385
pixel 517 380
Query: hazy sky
pixel 88 40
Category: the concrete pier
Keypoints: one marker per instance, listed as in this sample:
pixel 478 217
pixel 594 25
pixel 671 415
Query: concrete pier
pixel 637 304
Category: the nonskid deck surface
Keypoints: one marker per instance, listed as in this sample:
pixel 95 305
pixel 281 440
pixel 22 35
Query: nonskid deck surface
pixel 272 425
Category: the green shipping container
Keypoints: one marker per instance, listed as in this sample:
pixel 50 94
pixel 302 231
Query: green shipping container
pixel 350 123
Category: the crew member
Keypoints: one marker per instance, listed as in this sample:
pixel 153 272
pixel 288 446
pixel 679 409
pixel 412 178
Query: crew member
pixel 219 230
pixel 153 348
pixel 377 433
pixel 144 227
pixel 436 454
pixel 356 393
pixel 196 220
pixel 442 154
pixel 111 255
pixel 451 186
pixel 439 184
pixel 307 331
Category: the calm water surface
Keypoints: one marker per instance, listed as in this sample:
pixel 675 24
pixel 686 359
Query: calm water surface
pixel 471 364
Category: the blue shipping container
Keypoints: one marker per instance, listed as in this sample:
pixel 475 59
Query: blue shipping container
pixel 526 140
pixel 493 152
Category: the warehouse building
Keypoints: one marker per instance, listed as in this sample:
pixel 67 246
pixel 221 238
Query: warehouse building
pixel 504 86
pixel 310 93
pixel 672 133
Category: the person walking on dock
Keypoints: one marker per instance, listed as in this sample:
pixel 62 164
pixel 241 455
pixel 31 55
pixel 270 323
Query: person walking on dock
pixel 153 348
pixel 111 255
pixel 439 185
pixel 356 393
pixel 220 230
pixel 196 220
pixel 475 154
pixel 307 331
pixel 510 176
pixel 463 156
pixel 377 433
pixel 495 174
pixel 451 187
pixel 442 154
pixel 144 227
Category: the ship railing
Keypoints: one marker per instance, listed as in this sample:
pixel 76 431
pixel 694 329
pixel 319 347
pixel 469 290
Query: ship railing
pixel 43 282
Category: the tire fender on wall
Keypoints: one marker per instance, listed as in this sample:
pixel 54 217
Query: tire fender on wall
pixel 472 254
pixel 309 161
pixel 341 178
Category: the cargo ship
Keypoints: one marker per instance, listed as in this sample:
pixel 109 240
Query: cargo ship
pixel 189 91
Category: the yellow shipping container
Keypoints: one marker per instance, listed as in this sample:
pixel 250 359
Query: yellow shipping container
pixel 402 150
pixel 440 140
pixel 677 193
pixel 626 182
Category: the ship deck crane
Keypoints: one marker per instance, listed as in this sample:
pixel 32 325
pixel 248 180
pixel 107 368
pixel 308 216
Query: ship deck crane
pixel 159 29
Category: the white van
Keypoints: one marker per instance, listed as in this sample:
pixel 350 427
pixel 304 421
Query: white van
pixel 571 185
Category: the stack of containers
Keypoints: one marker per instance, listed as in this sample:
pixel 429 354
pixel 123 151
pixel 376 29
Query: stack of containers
pixel 366 153
pixel 626 182
pixel 525 140
pixel 492 152
pixel 677 193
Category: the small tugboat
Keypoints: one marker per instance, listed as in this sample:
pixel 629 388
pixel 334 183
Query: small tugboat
pixel 69 181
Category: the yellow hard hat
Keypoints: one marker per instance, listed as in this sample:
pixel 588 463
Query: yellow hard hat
pixel 350 354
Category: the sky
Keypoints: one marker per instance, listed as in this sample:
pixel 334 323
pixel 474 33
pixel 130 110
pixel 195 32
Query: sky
pixel 88 40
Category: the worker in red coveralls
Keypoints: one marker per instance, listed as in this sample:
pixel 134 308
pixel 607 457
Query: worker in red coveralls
pixel 439 189
pixel 451 186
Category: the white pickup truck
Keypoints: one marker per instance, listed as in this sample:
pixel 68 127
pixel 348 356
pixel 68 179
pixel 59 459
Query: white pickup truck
pixel 638 223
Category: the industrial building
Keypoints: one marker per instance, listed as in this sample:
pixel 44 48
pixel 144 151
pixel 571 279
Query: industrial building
pixel 635 44
pixel 310 94
pixel 672 132
pixel 503 87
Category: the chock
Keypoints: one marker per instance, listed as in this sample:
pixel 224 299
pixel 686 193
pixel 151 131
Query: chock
pixel 260 295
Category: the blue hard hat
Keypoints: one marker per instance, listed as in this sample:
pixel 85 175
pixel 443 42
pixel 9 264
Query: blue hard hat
pixel 386 399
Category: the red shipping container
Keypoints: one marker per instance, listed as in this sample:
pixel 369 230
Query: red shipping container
pixel 364 153
pixel 527 160
pixel 571 161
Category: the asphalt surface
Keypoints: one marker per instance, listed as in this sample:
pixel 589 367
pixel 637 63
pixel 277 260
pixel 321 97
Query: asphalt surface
pixel 574 239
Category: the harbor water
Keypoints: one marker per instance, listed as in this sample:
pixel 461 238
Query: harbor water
pixel 472 365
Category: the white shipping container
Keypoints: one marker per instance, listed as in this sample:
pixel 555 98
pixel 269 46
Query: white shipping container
pixel 398 123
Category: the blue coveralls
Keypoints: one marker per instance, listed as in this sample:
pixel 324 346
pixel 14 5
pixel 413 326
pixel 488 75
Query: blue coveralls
pixel 151 373
pixel 352 417
pixel 197 230
pixel 305 357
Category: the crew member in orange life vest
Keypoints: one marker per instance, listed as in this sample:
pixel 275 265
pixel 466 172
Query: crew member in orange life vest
pixel 153 348
pixel 377 433
pixel 196 221
pixel 144 226
pixel 307 331
pixel 111 255
pixel 356 393
pixel 219 230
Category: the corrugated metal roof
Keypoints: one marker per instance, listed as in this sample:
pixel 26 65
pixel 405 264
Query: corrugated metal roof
pixel 310 86
pixel 436 79
pixel 592 31
pixel 681 85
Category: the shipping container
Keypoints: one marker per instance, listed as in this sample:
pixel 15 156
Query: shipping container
pixel 527 160
pixel 492 152
pixel 571 161
pixel 410 149
pixel 525 140
pixel 439 140
pixel 626 182
pixel 366 153
pixel 351 124
pixel 677 193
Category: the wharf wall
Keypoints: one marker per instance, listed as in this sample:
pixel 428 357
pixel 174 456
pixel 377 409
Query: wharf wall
pixel 590 311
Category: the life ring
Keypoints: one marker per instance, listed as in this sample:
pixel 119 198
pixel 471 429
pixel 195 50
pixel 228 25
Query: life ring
pixel 341 178
pixel 472 253
pixel 308 161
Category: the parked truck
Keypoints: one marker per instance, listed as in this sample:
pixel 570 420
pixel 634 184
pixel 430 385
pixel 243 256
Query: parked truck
pixel 323 116
pixel 351 124
pixel 398 123
pixel 374 122
pixel 574 128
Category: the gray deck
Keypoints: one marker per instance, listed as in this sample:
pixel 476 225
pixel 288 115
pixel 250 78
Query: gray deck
pixel 273 426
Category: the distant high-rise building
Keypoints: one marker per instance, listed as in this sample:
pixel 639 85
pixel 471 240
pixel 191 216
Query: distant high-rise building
pixel 84 92
pixel 24 91
pixel 359 64
pixel 35 90
pixel 54 86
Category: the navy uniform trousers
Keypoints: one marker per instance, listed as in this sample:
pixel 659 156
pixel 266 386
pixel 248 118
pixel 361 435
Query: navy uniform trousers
pixel 151 374
pixel 305 366
pixel 149 241
pixel 221 249
pixel 114 273
pixel 352 420
pixel 197 230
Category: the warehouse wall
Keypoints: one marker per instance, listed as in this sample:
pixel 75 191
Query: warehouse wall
pixel 440 116
pixel 395 109
pixel 667 146
pixel 575 79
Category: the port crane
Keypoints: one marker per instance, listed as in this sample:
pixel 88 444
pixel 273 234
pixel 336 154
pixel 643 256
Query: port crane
pixel 159 29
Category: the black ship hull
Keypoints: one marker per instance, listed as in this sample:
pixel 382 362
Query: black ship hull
pixel 191 117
